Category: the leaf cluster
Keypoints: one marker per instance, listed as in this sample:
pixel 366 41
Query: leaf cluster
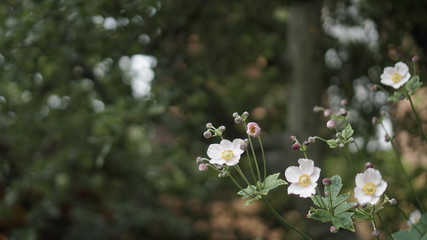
pixel 262 188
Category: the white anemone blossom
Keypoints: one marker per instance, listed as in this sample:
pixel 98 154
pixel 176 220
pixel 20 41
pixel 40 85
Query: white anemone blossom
pixel 395 76
pixel 369 186
pixel 414 217
pixel 303 179
pixel 226 152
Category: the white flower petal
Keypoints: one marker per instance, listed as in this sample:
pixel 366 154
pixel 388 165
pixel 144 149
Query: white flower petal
pixel 219 161
pixel 315 175
pixel 372 175
pixel 361 196
pixel 401 68
pixel 233 161
pixel 374 199
pixel 297 189
pixel 226 144
pixel 306 166
pixel 381 188
pixel 360 180
pixel 214 150
pixel 292 174
pixel 388 71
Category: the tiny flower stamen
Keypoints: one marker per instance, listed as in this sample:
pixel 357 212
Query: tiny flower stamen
pixel 227 155
pixel 396 77
pixel 369 188
pixel 304 180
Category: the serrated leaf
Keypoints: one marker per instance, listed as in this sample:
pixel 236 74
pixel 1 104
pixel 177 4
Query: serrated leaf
pixel 347 132
pixel 343 207
pixel 413 84
pixel 340 199
pixel 396 97
pixel 358 214
pixel 335 187
pixel 332 143
pixel 319 201
pixel 272 182
pixel 343 220
pixel 320 215
pixel 248 192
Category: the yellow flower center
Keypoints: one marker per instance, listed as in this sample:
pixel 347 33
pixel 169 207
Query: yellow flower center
pixel 369 188
pixel 396 77
pixel 252 129
pixel 227 155
pixel 304 180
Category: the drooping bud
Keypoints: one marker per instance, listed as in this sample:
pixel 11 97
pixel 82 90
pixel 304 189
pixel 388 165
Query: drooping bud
pixel 331 124
pixel 376 233
pixel 208 125
pixel 355 205
pixel 203 167
pixel 317 109
pixel 311 139
pixel 207 134
pixel 351 140
pixel 387 138
pixel 326 181
pixel 245 115
pixel 369 165
pixel 306 143
pixel 296 146
pixel 374 120
pixel 333 229
pixel 327 194
pixel 235 114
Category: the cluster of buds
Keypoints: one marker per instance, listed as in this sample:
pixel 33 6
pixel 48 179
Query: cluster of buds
pixel 240 118
pixel 298 146
pixel 213 131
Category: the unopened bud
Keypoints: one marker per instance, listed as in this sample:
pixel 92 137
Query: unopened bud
pixel 327 194
pixel 376 233
pixel 392 201
pixel 219 167
pixel 235 114
pixel 326 181
pixel 387 138
pixel 351 140
pixel 308 215
pixel 207 134
pixel 208 125
pixel 245 114
pixel 306 143
pixel 415 58
pixel 331 124
pixel 343 112
pixel 333 229
pixel 311 139
pixel 317 109
pixel 369 165
pixel 327 113
pixel 374 120
pixel 355 205
pixel 296 146
pixel 243 146
pixel 238 120
pixel 341 145
pixel 373 87
pixel 203 167
pixel 199 160
pixel 222 128
pixel 292 138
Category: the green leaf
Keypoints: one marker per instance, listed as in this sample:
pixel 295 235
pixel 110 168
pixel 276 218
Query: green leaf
pixel 343 220
pixel 360 214
pixel 319 201
pixel 343 207
pixel 413 84
pixel 320 215
pixel 272 182
pixel 335 187
pixel 340 199
pixel 332 143
pixel 347 132
pixel 396 97
pixel 252 200
pixel 248 192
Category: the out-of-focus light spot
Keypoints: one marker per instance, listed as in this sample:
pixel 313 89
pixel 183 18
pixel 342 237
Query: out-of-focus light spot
pixel 26 96
pixel 332 59
pixel 54 101
pixel 44 111
pixel 143 39
pixel 1 59
pixel 38 78
pixel 97 19
pixel 98 105
pixel 86 84
pixel 138 71
pixel 110 23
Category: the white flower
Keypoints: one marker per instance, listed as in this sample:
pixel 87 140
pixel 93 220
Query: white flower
pixel 225 152
pixel 369 186
pixel 414 217
pixel 303 179
pixel 395 76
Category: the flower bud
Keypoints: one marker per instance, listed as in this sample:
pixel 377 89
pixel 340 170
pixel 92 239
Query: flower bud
pixel 344 102
pixel 219 167
pixel 387 138
pixel 374 120
pixel 311 139
pixel 326 181
pixel 392 201
pixel 199 160
pixel 341 145
pixel 306 143
pixel 373 87
pixel 222 128
pixel 317 109
pixel 327 113
pixel 355 205
pixel 343 112
pixel 327 194
pixel 243 146
pixel 246 141
pixel 331 124
pixel 415 58
pixel 245 115
pixel 293 138
pixel 351 140
pixel 235 114
pixel 296 146
pixel 308 215
pixel 208 125
pixel 369 165
pixel 376 233
pixel 207 134
pixel 203 167
pixel 337 134
pixel 238 119
pixel 333 229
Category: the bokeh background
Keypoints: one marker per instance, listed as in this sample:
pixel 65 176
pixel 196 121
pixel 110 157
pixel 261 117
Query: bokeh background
pixel 103 105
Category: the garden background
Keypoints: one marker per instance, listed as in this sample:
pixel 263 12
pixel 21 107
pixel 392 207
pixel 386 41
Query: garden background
pixel 103 105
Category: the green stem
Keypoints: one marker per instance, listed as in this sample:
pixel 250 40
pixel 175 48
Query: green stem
pixel 263 157
pixel 242 175
pixel 384 226
pixel 253 152
pixel 282 220
pixel 339 234
pixel 347 153
pixel 250 166
pixel 399 163
pixel 420 127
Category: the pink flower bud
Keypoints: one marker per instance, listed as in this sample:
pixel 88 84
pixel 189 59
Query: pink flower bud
pixel 327 113
pixel 331 124
pixel 376 233
pixel 369 165
pixel 326 181
pixel 203 167
pixel 373 87
pixel 293 138
pixel 333 229
pixel 253 129
pixel 415 58
pixel 296 146
pixel 207 134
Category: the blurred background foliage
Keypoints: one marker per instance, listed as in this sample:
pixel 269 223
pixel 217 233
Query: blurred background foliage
pixel 103 103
